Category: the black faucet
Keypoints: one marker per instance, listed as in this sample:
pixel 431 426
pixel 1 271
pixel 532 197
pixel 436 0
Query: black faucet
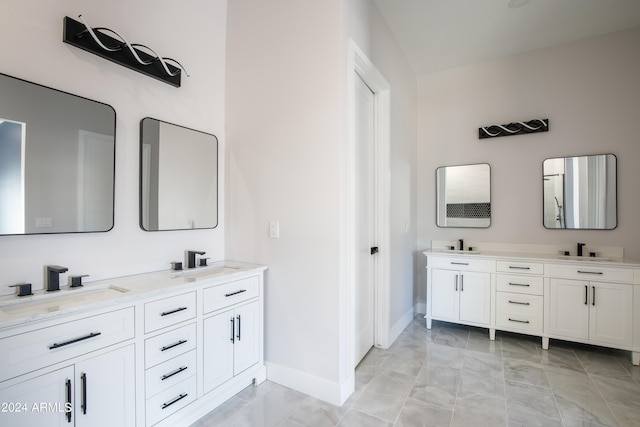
pixel 461 244
pixel 191 258
pixel 53 277
pixel 580 246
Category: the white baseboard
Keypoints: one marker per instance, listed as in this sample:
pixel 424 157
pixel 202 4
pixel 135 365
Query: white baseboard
pixel 320 388
pixel 400 325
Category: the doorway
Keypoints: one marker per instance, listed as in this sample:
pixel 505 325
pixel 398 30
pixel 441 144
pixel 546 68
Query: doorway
pixel 369 207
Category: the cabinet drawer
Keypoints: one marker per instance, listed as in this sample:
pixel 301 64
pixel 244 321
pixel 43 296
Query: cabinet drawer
pixel 169 311
pixel 460 263
pixel 171 400
pixel 592 271
pixel 170 373
pixel 520 284
pixel 518 311
pixel 43 347
pixel 220 296
pixel 520 267
pixel 169 344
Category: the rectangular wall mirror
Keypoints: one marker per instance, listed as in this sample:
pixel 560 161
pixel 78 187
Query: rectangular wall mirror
pixel 178 177
pixel 580 192
pixel 57 160
pixel 463 196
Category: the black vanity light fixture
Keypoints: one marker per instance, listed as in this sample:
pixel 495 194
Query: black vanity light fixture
pixel 117 49
pixel 515 128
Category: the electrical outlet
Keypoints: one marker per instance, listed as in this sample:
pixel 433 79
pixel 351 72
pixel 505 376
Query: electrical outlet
pixel 44 222
pixel 274 229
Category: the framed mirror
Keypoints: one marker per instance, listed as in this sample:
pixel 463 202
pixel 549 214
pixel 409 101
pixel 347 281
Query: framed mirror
pixel 57 161
pixel 580 192
pixel 178 177
pixel 463 196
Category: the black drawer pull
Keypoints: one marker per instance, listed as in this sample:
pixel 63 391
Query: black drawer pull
pixel 590 272
pixel 167 404
pixel 166 313
pixel 459 263
pixel 235 293
pixel 518 302
pixel 67 409
pixel 519 321
pixel 170 374
pixel 86 337
pixel 167 347
pixel 519 284
pixel 519 268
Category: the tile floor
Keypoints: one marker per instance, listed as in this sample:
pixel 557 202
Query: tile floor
pixel 455 376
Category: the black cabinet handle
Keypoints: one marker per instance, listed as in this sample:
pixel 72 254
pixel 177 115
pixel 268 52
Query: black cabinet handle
pixel 239 323
pixel 519 268
pixel 518 302
pixel 171 402
pixel 462 283
pixel 233 330
pixel 235 293
pixel 166 313
pixel 457 282
pixel 590 272
pixel 519 284
pixel 67 409
pixel 593 295
pixel 83 378
pixel 86 337
pixel 519 321
pixel 167 347
pixel 586 295
pixel 176 372
pixel 459 263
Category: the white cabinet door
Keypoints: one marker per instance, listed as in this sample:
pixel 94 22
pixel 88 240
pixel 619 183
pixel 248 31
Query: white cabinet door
pixel 475 297
pixel 40 401
pixel 611 316
pixel 569 308
pixel 444 294
pixel 246 348
pixel 218 349
pixel 105 390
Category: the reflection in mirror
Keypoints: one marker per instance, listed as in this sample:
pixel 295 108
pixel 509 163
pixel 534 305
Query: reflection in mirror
pixel 463 196
pixel 580 192
pixel 57 154
pixel 178 177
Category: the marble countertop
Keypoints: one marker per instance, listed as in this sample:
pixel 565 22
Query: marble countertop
pixel 116 291
pixel 543 257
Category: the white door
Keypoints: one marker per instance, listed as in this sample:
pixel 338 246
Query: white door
pixel 365 221
pixel 444 294
pixel 218 332
pixel 105 390
pixel 475 297
pixel 569 308
pixel 246 348
pixel 611 316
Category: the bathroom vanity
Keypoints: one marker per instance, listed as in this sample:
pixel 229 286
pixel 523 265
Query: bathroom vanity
pixel 527 290
pixel 160 348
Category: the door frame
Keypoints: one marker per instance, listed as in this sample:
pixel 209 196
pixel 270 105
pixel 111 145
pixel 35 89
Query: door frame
pixel 360 64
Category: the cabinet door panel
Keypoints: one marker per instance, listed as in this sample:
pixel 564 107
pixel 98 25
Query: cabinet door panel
pixel 568 308
pixel 611 315
pixel 475 297
pixel 247 344
pixel 105 390
pixel 44 399
pixel 444 296
pixel 218 349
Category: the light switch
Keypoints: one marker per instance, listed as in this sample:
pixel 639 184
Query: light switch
pixel 274 229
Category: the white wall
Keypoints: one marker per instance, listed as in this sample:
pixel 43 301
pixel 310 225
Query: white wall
pixel 286 134
pixel 194 34
pixel 589 90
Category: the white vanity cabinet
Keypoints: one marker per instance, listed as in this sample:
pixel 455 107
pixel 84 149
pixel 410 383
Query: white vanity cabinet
pixel 459 290
pixel 231 336
pixel 583 306
pixel 519 296
pixel 93 383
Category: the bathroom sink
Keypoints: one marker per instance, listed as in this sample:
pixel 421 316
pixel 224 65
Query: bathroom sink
pixel 584 258
pixel 62 299
pixel 212 270
pixel 459 251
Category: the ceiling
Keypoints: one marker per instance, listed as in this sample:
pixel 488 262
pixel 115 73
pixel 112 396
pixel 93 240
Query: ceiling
pixel 441 34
